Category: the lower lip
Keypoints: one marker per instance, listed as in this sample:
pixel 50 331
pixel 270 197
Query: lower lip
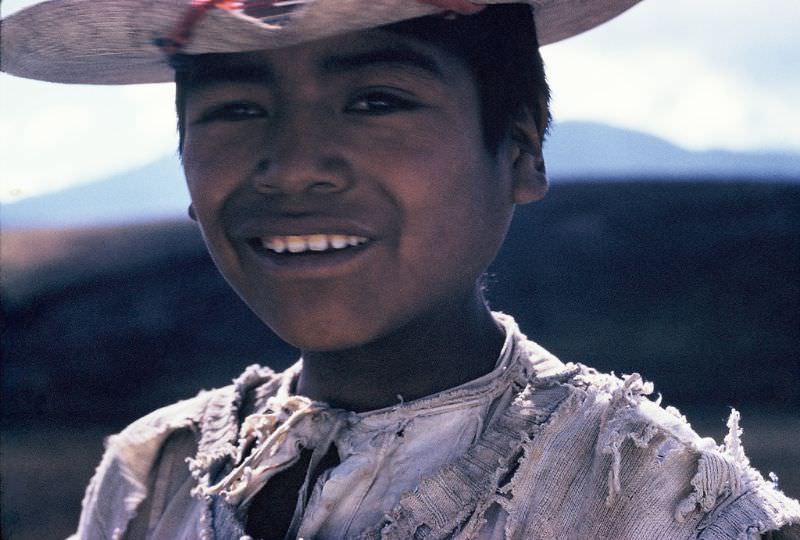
pixel 310 263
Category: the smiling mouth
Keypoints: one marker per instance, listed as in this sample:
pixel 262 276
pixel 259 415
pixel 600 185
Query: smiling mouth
pixel 309 243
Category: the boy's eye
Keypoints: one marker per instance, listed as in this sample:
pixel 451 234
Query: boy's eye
pixel 233 112
pixel 379 103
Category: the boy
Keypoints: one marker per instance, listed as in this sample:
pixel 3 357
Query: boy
pixel 354 172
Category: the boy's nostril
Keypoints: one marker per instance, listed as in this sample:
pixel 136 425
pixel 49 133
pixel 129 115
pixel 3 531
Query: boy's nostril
pixel 324 186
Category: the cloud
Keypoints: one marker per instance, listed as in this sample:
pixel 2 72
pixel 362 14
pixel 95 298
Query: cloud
pixel 676 94
pixel 702 74
pixel 53 136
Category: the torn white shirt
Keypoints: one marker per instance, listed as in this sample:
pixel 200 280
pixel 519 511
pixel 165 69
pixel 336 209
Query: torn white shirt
pixel 533 450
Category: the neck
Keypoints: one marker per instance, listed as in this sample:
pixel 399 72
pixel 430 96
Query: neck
pixel 453 345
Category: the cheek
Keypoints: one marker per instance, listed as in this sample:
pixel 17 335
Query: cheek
pixel 418 166
pixel 217 162
pixel 455 214
pixel 213 172
pixel 447 178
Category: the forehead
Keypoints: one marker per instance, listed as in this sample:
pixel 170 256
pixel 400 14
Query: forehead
pixel 357 52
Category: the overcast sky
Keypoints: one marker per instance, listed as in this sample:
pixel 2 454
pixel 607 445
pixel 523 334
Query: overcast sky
pixel 700 73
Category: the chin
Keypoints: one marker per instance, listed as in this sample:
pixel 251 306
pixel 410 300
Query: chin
pixel 326 343
pixel 318 336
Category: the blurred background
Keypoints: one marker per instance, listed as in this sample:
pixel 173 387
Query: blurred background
pixel 669 245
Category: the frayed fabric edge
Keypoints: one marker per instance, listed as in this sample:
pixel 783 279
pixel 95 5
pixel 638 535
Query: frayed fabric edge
pixel 720 470
pixel 622 421
pixel 721 473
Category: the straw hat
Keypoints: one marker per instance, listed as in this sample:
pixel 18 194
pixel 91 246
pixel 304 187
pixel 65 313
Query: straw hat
pixel 128 41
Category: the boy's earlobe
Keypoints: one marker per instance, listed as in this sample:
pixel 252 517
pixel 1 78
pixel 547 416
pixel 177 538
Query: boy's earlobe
pixel 528 169
pixel 191 213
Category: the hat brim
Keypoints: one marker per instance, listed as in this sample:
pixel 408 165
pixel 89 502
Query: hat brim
pixel 114 41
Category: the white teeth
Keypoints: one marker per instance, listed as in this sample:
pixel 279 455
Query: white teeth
pixel 311 242
pixel 338 241
pixel 296 244
pixel 278 245
pixel 317 242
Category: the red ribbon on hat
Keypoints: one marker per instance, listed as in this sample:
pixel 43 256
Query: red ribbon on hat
pixel 182 33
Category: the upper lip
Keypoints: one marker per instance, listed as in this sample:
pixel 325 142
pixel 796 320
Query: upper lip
pixel 300 226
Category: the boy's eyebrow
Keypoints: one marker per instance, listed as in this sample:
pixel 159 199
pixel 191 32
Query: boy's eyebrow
pixel 206 74
pixel 248 72
pixel 394 55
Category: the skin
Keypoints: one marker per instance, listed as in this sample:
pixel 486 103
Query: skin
pixel 341 136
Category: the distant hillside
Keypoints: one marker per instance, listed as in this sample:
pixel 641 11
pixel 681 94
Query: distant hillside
pixel 37 262
pixel 575 151
pixel 585 151
pixel 155 191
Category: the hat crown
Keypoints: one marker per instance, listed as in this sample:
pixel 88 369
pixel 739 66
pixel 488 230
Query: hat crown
pixel 122 41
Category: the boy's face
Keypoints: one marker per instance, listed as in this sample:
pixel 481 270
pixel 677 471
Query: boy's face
pixel 369 138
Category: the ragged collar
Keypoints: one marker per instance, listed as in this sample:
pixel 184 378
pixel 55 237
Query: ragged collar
pixel 237 456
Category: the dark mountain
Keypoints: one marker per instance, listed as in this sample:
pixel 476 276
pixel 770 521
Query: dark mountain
pixel 575 151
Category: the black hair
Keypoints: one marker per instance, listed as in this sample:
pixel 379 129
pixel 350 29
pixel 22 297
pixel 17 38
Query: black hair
pixel 500 48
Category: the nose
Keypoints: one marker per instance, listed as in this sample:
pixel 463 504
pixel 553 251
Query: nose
pixel 302 155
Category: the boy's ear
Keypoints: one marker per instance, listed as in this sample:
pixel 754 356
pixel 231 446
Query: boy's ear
pixel 529 181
